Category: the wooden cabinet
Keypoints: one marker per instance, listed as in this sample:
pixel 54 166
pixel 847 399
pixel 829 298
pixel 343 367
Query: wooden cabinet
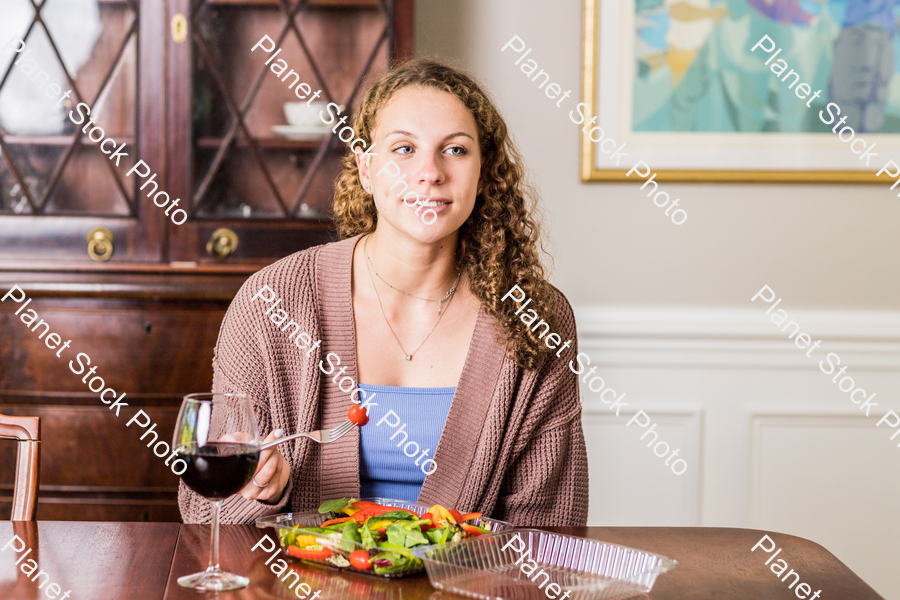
pixel 178 84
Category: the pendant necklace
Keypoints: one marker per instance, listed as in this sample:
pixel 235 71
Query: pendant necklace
pixel 406 355
pixel 439 302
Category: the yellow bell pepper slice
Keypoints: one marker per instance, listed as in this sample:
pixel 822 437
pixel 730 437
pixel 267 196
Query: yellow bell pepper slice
pixel 349 511
pixel 304 541
pixel 441 514
pixel 379 524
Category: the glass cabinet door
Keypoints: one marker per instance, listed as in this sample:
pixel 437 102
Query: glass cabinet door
pixel 262 164
pixel 70 123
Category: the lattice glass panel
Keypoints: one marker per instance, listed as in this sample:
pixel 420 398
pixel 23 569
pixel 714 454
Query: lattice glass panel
pixel 66 53
pixel 260 150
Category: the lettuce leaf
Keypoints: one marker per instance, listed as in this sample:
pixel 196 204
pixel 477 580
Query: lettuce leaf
pixel 438 536
pixel 396 535
pixel 415 538
pixel 333 505
pixel 313 530
pixel 399 563
pixel 288 537
pixel 349 535
pixel 394 548
pixel 397 515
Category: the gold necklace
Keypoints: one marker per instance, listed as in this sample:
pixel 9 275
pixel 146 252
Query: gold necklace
pixel 440 302
pixel 406 355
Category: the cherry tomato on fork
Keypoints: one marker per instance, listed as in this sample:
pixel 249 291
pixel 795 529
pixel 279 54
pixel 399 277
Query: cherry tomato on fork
pixel 358 415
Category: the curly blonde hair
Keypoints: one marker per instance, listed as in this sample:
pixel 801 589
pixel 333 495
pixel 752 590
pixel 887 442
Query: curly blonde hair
pixel 498 243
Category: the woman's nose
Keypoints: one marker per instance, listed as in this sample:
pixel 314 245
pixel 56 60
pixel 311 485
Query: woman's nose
pixel 430 171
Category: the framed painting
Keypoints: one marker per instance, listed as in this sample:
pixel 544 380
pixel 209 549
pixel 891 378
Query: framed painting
pixel 744 90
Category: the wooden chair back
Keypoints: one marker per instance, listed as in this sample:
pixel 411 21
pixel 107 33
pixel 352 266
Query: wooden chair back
pixel 27 433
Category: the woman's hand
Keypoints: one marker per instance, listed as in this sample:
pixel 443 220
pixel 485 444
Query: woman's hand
pixel 272 472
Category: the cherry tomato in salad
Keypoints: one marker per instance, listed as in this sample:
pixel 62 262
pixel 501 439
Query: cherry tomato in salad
pixel 359 559
pixel 358 415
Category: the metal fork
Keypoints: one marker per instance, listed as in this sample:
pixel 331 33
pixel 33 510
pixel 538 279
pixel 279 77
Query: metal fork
pixel 323 436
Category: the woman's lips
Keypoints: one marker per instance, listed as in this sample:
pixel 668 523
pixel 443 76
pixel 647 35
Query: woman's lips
pixel 438 205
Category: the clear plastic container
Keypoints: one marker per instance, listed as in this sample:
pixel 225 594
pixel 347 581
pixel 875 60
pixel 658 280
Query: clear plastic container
pixel 573 568
pixel 286 522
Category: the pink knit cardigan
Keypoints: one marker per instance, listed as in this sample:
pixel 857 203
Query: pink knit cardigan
pixel 512 447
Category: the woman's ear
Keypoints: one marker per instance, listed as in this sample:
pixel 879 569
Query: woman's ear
pixel 362 165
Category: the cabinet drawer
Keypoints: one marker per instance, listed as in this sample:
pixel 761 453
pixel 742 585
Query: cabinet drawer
pixel 94 467
pixel 90 448
pixel 142 349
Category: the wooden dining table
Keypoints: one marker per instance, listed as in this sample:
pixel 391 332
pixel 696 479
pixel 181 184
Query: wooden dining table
pixel 142 561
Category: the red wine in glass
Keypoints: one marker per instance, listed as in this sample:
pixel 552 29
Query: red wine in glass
pixel 217 438
pixel 218 469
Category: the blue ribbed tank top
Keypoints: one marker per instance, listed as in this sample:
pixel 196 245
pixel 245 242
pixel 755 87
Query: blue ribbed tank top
pixel 411 422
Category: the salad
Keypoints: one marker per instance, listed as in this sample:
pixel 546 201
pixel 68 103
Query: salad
pixel 367 536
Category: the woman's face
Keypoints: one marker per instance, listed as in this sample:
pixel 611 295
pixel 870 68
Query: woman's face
pixel 426 143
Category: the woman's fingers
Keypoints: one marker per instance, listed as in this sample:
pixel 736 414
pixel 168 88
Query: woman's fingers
pixel 266 471
pixel 266 454
pixel 277 480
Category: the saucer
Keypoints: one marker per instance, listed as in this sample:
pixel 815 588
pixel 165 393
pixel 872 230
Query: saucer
pixel 300 132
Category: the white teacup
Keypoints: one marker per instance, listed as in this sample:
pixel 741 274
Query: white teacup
pixel 301 114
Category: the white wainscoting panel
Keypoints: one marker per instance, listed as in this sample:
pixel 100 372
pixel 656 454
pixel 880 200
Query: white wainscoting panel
pixel 774 444
pixel 807 468
pixel 632 486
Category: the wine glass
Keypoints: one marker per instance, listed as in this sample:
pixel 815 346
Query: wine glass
pixel 217 438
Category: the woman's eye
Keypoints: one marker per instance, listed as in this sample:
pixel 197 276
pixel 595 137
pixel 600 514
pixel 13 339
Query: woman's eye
pixel 457 151
pixel 399 149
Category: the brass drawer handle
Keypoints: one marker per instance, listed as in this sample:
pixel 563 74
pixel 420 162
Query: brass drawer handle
pixel 100 244
pixel 222 243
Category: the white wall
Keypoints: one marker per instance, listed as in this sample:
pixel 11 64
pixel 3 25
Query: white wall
pixel 666 312
pixel 822 246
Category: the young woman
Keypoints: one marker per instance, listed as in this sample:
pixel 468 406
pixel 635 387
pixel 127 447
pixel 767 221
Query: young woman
pixel 411 315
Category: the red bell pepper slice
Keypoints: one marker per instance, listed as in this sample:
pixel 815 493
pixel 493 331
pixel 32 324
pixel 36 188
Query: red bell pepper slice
pixel 361 504
pixel 334 521
pixel 468 517
pixel 424 526
pixel 309 553
pixel 471 530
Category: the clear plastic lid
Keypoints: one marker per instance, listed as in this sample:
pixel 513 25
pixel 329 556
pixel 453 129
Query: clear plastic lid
pixel 529 564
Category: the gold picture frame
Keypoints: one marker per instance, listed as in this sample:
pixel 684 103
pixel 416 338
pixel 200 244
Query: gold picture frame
pixel 591 172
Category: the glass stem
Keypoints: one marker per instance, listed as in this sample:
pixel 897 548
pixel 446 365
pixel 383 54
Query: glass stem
pixel 214 537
